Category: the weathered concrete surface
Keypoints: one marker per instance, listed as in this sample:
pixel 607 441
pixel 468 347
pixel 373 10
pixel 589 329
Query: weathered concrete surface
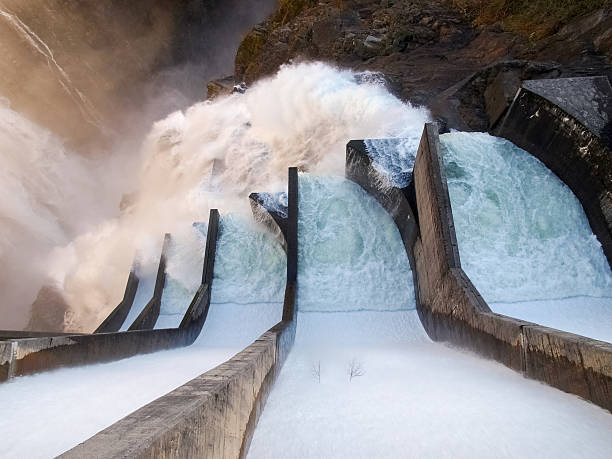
pixel 396 201
pixel 567 124
pixel 274 217
pixel 16 334
pixel 215 414
pixel 455 312
pixel 588 99
pixel 6 359
pixel 149 315
pixel 450 307
pixel 34 355
pixel 499 94
pixel 198 309
pixel 207 417
pixel 115 319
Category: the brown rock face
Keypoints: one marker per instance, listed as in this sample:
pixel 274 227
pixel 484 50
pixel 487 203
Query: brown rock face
pixel 81 68
pixel 48 311
pixel 431 54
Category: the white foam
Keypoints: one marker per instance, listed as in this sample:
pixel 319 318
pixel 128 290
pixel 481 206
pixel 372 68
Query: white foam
pixel 411 397
pixel 212 155
pixel 417 399
pixel 523 236
pixel 351 255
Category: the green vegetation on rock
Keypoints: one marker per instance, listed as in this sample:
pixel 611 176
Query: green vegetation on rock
pixel 290 9
pixel 533 18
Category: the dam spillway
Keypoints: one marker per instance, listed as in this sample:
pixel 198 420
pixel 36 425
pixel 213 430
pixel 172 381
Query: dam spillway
pixel 405 384
pixel 363 315
pixel 54 411
pixel 361 287
pixel 524 238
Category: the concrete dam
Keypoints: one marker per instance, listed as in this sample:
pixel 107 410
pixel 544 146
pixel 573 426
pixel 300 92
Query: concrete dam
pixel 445 296
pixel 304 267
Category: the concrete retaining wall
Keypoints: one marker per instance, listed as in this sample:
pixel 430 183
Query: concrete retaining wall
pixel 275 219
pixel 33 355
pixel 215 414
pixel 115 319
pixel 452 310
pixel 148 316
pixel 565 123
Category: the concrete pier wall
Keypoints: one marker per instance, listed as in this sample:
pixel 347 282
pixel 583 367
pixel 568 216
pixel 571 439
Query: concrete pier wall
pixel 450 307
pixel 215 414
pixel 115 319
pixel 148 316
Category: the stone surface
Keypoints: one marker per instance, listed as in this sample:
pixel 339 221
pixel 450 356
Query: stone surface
pixel 499 94
pixel 118 57
pixel 49 311
pixel 220 87
pixel 425 48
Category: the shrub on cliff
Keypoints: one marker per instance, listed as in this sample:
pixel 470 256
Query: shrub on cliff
pixel 533 18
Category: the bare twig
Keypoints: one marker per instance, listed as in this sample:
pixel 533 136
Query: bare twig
pixel 316 371
pixel 355 369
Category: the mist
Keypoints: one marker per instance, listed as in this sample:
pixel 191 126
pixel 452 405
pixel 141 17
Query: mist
pixel 84 207
pixel 80 86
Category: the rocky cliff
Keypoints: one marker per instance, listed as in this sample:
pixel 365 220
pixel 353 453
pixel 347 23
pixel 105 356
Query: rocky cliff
pixel 430 52
pixel 83 69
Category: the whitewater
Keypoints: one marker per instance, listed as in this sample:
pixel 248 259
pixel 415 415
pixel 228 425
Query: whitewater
pixel 409 397
pixel 66 212
pixel 85 221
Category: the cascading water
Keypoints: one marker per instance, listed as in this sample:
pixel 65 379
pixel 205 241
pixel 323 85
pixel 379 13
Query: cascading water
pixel 407 396
pixel 336 264
pixel 524 239
pixel 52 412
pixel 212 155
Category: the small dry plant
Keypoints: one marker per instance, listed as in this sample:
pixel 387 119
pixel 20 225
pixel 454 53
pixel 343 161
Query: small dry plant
pixel 315 370
pixel 355 369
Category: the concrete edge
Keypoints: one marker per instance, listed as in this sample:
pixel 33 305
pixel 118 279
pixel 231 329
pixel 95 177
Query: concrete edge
pixel 572 363
pixel 115 319
pixel 271 219
pixel 148 316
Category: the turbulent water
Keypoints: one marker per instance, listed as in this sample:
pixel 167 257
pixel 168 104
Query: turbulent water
pixel 211 155
pixel 406 394
pixel 341 259
pixel 523 237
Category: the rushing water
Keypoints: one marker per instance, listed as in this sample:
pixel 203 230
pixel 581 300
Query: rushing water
pixel 52 412
pixel 211 155
pixel 523 237
pixel 346 258
pixel 408 397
